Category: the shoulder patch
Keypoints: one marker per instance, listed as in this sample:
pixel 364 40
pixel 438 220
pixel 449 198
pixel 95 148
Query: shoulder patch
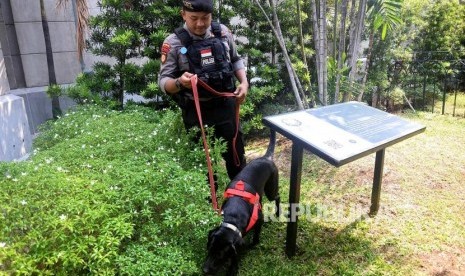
pixel 165 49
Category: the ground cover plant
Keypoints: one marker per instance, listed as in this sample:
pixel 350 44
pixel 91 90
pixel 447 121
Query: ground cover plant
pixel 116 192
pixel 106 192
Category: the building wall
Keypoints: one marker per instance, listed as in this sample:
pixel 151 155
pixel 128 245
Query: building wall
pixel 24 75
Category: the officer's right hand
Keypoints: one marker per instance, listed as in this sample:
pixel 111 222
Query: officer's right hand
pixel 185 80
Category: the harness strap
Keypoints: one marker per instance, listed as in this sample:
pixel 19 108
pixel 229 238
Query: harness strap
pixel 184 36
pixel 187 40
pixel 254 199
pixel 216 28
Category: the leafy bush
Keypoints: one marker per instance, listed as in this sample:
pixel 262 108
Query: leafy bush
pixel 54 90
pixel 107 192
pixel 396 99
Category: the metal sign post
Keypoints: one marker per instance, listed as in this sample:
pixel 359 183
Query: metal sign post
pixel 338 134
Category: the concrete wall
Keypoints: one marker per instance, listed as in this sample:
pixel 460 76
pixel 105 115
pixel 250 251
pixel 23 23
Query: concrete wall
pixel 10 50
pixel 15 138
pixel 24 75
pixel 31 41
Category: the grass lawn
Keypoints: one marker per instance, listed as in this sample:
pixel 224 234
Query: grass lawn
pixel 419 229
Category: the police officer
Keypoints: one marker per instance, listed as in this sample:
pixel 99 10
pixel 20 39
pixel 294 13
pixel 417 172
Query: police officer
pixel 207 49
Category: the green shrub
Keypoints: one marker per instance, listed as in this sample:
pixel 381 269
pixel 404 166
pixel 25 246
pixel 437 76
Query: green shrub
pixel 107 192
pixel 54 90
pixel 396 99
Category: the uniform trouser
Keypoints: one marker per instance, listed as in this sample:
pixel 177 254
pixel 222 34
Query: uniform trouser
pixel 221 115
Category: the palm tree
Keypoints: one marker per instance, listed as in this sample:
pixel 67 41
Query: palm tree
pixel 82 18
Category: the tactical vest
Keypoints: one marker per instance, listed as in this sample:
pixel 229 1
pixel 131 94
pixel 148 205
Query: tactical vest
pixel 209 60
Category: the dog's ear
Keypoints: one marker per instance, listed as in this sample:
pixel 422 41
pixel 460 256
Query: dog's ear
pixel 210 236
pixel 238 244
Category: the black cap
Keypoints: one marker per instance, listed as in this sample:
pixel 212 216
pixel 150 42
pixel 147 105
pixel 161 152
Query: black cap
pixel 198 5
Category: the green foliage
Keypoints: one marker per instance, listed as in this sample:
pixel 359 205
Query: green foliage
pixel 384 15
pixel 397 96
pixel 265 69
pixel 54 90
pixel 445 27
pixel 124 30
pixel 107 192
pixel 395 99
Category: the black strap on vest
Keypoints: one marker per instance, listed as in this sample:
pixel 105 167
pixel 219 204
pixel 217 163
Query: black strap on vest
pixel 187 40
pixel 213 66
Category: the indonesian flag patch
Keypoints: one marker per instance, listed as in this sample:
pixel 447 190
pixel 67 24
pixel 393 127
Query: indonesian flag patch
pixel 207 57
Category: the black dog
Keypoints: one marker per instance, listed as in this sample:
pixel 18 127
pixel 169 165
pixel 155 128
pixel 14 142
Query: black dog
pixel 242 211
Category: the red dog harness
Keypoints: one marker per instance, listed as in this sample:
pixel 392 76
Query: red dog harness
pixel 254 199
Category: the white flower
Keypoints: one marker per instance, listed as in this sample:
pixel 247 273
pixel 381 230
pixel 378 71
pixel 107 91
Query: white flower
pixel 23 202
pixel 63 217
pixel 2 244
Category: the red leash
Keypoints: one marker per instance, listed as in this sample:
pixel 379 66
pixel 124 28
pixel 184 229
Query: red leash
pixel 194 81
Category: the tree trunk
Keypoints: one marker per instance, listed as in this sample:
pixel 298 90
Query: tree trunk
pixel 319 36
pixel 324 48
pixel 352 20
pixel 335 30
pixel 301 35
pixel 355 39
pixel 56 109
pixel 341 49
pixel 302 47
pixel 279 37
pixel 367 65
pixel 277 26
pixel 316 41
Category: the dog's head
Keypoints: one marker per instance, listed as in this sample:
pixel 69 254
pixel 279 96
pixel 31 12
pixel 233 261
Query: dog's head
pixel 223 245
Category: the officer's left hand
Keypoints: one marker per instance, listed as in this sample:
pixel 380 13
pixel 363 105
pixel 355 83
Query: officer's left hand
pixel 241 92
